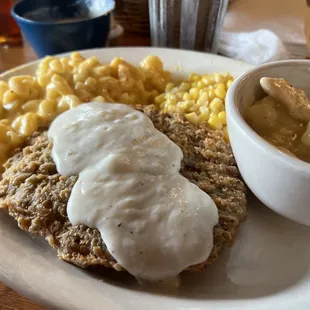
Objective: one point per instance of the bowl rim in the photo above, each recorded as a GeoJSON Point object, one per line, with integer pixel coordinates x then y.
{"type": "Point", "coordinates": [235, 116]}
{"type": "Point", "coordinates": [18, 17]}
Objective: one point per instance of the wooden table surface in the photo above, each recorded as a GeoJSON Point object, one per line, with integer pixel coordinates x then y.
{"type": "Point", "coordinates": [12, 57]}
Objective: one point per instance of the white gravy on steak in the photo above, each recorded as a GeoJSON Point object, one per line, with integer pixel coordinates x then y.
{"type": "Point", "coordinates": [153, 220]}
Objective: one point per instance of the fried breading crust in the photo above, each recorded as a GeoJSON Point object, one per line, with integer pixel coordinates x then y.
{"type": "Point", "coordinates": [36, 195]}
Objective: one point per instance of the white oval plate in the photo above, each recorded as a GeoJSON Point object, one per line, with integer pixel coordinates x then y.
{"type": "Point", "coordinates": [267, 268]}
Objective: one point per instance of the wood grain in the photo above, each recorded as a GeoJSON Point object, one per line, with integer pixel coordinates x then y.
{"type": "Point", "coordinates": [10, 58]}
{"type": "Point", "coordinates": [10, 300]}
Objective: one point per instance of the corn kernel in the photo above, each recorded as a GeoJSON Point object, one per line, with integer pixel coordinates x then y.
{"type": "Point", "coordinates": [184, 86]}
{"type": "Point", "coordinates": [202, 102]}
{"type": "Point", "coordinates": [192, 118]}
{"type": "Point", "coordinates": [203, 117]}
{"type": "Point", "coordinates": [173, 90]}
{"type": "Point", "coordinates": [186, 105]}
{"type": "Point", "coordinates": [194, 92]}
{"type": "Point", "coordinates": [227, 75]}
{"type": "Point", "coordinates": [213, 114]}
{"type": "Point", "coordinates": [221, 86]}
{"type": "Point", "coordinates": [200, 85]}
{"type": "Point", "coordinates": [211, 94]}
{"type": "Point", "coordinates": [220, 91]}
{"type": "Point", "coordinates": [204, 96]}
{"type": "Point", "coordinates": [172, 101]}
{"type": "Point", "coordinates": [218, 78]}
{"type": "Point", "coordinates": [193, 108]}
{"type": "Point", "coordinates": [179, 95]}
{"type": "Point", "coordinates": [169, 86]}
{"type": "Point", "coordinates": [179, 109]}
{"type": "Point", "coordinates": [216, 105]}
{"type": "Point", "coordinates": [229, 82]}
{"type": "Point", "coordinates": [204, 110]}
{"type": "Point", "coordinates": [214, 122]}
{"type": "Point", "coordinates": [222, 117]}
{"type": "Point", "coordinates": [170, 96]}
{"type": "Point", "coordinates": [208, 80]}
{"type": "Point", "coordinates": [187, 96]}
{"type": "Point", "coordinates": [194, 77]}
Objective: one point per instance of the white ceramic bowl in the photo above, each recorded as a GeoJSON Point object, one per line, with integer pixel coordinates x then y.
{"type": "Point", "coordinates": [280, 181]}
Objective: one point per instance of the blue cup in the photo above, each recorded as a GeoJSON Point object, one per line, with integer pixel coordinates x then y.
{"type": "Point", "coordinates": [58, 26]}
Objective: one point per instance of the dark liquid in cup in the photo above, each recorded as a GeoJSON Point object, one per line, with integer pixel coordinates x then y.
{"type": "Point", "coordinates": [63, 14]}
{"type": "Point", "coordinates": [53, 15]}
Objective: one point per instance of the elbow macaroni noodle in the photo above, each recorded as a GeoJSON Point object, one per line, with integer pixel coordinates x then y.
{"type": "Point", "coordinates": [29, 102]}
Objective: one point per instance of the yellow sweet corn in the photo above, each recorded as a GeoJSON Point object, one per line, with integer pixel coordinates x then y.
{"type": "Point", "coordinates": [192, 117]}
{"type": "Point", "coordinates": [216, 105]}
{"type": "Point", "coordinates": [222, 117]}
{"type": "Point", "coordinates": [214, 122]}
{"type": "Point", "coordinates": [201, 99]}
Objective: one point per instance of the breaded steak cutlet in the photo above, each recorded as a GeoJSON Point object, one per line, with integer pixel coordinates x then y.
{"type": "Point", "coordinates": [36, 195]}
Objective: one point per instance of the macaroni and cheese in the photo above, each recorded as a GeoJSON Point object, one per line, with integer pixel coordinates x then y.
{"type": "Point", "coordinates": [29, 102]}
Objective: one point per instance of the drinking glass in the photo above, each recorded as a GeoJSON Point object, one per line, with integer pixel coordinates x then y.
{"type": "Point", "coordinates": [187, 24]}
{"type": "Point", "coordinates": [9, 31]}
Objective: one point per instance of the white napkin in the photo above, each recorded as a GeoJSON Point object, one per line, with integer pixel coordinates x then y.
{"type": "Point", "coordinates": [255, 47]}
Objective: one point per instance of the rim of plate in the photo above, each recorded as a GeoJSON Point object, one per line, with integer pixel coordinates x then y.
{"type": "Point", "coordinates": [146, 48]}
{"type": "Point", "coordinates": [122, 297]}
